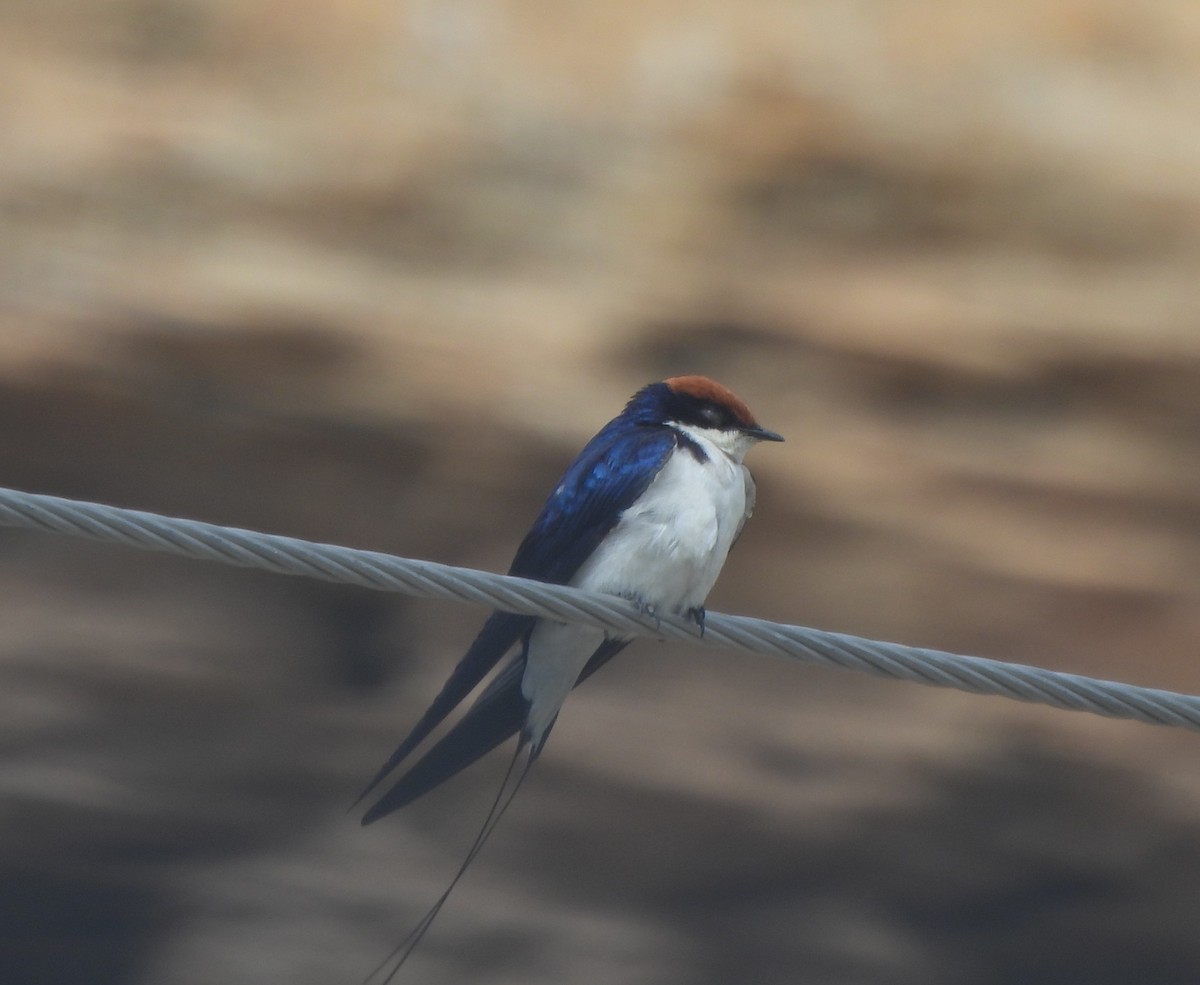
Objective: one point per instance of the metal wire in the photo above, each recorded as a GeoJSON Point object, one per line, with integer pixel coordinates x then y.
{"type": "Point", "coordinates": [287, 555]}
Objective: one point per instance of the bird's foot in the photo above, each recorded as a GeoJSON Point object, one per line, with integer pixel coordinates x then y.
{"type": "Point", "coordinates": [696, 615]}
{"type": "Point", "coordinates": [646, 609]}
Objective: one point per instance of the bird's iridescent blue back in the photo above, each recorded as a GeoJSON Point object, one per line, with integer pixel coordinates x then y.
{"type": "Point", "coordinates": [611, 472]}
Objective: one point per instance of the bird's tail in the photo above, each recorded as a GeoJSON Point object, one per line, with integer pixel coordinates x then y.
{"type": "Point", "coordinates": [514, 776]}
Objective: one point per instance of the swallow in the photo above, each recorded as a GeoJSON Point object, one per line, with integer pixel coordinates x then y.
{"type": "Point", "coordinates": [647, 511]}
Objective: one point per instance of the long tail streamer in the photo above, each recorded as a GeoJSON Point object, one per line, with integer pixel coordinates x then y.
{"type": "Point", "coordinates": [514, 776]}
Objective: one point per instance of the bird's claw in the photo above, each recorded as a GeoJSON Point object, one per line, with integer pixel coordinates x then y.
{"type": "Point", "coordinates": [695, 614]}
{"type": "Point", "coordinates": [646, 609]}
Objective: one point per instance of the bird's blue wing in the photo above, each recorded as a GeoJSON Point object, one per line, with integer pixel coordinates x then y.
{"type": "Point", "coordinates": [611, 472]}
{"type": "Point", "coordinates": [499, 633]}
{"type": "Point", "coordinates": [497, 714]}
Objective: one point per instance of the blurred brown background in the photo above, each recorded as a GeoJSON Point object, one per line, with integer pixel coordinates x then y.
{"type": "Point", "coordinates": [372, 272]}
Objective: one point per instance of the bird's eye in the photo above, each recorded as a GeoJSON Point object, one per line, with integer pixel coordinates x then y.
{"type": "Point", "coordinates": [711, 415]}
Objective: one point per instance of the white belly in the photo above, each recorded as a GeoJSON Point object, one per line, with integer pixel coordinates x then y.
{"type": "Point", "coordinates": [668, 548]}
{"type": "Point", "coordinates": [665, 552]}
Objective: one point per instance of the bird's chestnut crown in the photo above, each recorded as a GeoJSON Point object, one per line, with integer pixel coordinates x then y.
{"type": "Point", "coordinates": [700, 402]}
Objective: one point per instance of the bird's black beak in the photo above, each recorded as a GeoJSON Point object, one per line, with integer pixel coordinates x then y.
{"type": "Point", "coordinates": [761, 434]}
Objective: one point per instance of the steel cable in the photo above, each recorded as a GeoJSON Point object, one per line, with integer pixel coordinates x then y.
{"type": "Point", "coordinates": [288, 555]}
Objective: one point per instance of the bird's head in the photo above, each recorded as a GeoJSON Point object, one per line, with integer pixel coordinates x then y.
{"type": "Point", "coordinates": [702, 408]}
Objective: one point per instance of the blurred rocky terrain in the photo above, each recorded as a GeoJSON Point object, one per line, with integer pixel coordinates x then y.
{"type": "Point", "coordinates": [371, 273]}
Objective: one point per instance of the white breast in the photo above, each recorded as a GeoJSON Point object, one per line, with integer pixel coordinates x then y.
{"type": "Point", "coordinates": [665, 551]}
{"type": "Point", "coordinates": [669, 546]}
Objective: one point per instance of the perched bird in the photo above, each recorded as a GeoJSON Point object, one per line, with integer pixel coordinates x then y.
{"type": "Point", "coordinates": [648, 511]}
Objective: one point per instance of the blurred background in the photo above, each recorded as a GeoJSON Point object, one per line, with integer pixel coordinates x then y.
{"type": "Point", "coordinates": [371, 272]}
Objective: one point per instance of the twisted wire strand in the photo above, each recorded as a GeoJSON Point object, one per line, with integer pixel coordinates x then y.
{"type": "Point", "coordinates": [371, 569]}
